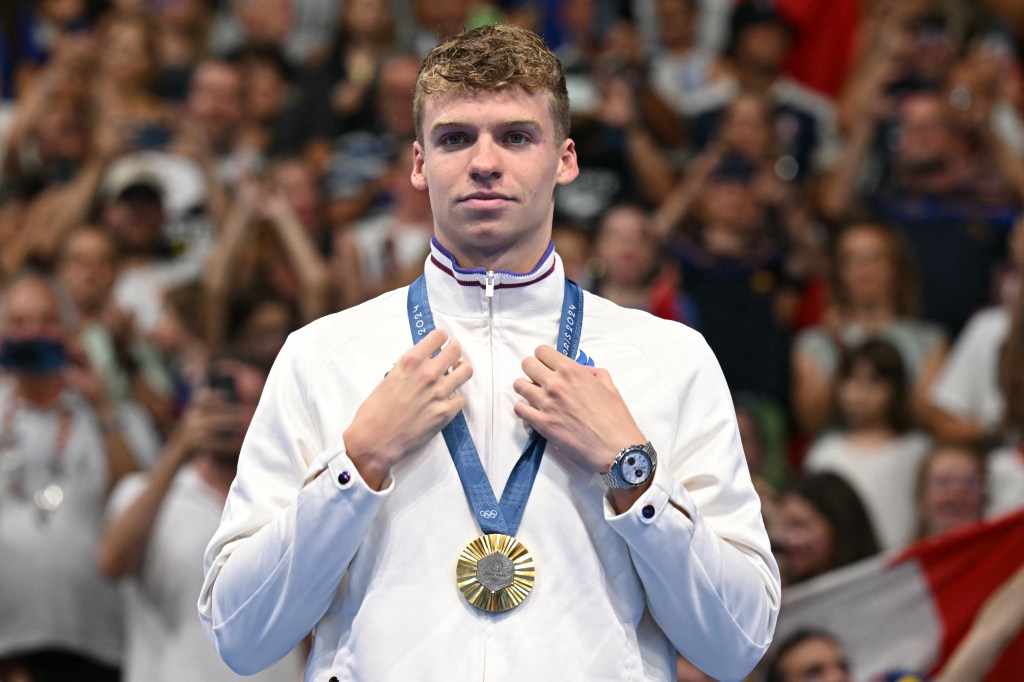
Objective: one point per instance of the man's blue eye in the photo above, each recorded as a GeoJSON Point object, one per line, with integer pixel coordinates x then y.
{"type": "Point", "coordinates": [517, 138]}
{"type": "Point", "coordinates": [453, 138]}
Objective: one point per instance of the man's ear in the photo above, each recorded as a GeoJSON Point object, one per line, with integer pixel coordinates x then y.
{"type": "Point", "coordinates": [568, 168]}
{"type": "Point", "coordinates": [419, 179]}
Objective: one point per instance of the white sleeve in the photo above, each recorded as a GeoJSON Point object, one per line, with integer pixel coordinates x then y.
{"type": "Point", "coordinates": [295, 516]}
{"type": "Point", "coordinates": [697, 539]}
{"type": "Point", "coordinates": [968, 377]}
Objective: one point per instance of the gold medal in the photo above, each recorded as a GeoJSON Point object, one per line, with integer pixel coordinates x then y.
{"type": "Point", "coordinates": [495, 573]}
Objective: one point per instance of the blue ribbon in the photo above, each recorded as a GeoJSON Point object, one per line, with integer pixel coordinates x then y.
{"type": "Point", "coordinates": [492, 515]}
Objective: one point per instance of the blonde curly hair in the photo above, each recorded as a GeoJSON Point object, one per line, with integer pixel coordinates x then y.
{"type": "Point", "coordinates": [492, 58]}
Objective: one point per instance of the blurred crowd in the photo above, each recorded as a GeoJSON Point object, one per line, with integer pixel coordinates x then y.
{"type": "Point", "coordinates": [830, 191]}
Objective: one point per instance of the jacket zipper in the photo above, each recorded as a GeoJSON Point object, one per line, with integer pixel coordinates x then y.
{"type": "Point", "coordinates": [489, 294]}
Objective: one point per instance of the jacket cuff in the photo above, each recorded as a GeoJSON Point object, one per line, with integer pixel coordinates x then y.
{"type": "Point", "coordinates": [343, 472]}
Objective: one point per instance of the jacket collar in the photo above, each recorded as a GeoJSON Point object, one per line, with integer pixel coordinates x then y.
{"type": "Point", "coordinates": [459, 291]}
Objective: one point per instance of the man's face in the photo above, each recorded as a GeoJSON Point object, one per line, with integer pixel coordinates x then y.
{"type": "Point", "coordinates": [135, 219]}
{"type": "Point", "coordinates": [815, 660]}
{"type": "Point", "coordinates": [88, 269]}
{"type": "Point", "coordinates": [762, 48]}
{"type": "Point", "coordinates": [394, 95]}
{"type": "Point", "coordinates": [925, 138]}
{"type": "Point", "coordinates": [953, 491]}
{"type": "Point", "coordinates": [491, 164]}
{"type": "Point", "coordinates": [215, 99]}
{"type": "Point", "coordinates": [31, 311]}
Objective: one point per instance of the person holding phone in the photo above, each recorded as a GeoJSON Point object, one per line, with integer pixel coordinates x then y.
{"type": "Point", "coordinates": [64, 443]}
{"type": "Point", "coordinates": [159, 522]}
{"type": "Point", "coordinates": [490, 474]}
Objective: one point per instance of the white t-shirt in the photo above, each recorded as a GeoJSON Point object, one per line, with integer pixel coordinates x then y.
{"type": "Point", "coordinates": [885, 478]}
{"type": "Point", "coordinates": [381, 239]}
{"type": "Point", "coordinates": [968, 385]}
{"type": "Point", "coordinates": [1005, 480]}
{"type": "Point", "coordinates": [51, 593]}
{"type": "Point", "coordinates": [164, 640]}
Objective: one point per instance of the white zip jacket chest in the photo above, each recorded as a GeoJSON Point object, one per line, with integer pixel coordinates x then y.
{"type": "Point", "coordinates": [688, 567]}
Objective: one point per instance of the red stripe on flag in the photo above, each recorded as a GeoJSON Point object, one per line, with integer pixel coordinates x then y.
{"type": "Point", "coordinates": [962, 570]}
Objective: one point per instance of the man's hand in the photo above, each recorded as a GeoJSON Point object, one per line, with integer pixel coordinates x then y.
{"type": "Point", "coordinates": [409, 407]}
{"type": "Point", "coordinates": [210, 424]}
{"type": "Point", "coordinates": [577, 408]}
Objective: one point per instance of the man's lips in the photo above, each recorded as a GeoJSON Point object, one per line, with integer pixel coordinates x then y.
{"type": "Point", "coordinates": [485, 200]}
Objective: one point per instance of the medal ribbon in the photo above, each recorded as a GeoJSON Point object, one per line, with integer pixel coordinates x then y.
{"type": "Point", "coordinates": [492, 515]}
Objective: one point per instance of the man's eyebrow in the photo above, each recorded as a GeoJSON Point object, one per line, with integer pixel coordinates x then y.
{"type": "Point", "coordinates": [511, 123]}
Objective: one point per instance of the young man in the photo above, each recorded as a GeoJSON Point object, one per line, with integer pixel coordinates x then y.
{"type": "Point", "coordinates": [641, 533]}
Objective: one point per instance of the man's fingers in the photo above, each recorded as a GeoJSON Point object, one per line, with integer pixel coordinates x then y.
{"type": "Point", "coordinates": [430, 344]}
{"type": "Point", "coordinates": [460, 373]}
{"type": "Point", "coordinates": [550, 357]}
{"type": "Point", "coordinates": [531, 392]}
{"type": "Point", "coordinates": [449, 355]}
{"type": "Point", "coordinates": [536, 370]}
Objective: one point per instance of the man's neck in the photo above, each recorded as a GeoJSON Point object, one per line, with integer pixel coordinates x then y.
{"type": "Point", "coordinates": [41, 392]}
{"type": "Point", "coordinates": [506, 260]}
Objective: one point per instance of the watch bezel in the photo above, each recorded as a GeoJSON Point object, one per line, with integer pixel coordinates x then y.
{"type": "Point", "coordinates": [614, 477]}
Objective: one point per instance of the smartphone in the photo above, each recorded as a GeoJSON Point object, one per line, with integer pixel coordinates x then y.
{"type": "Point", "coordinates": [224, 384]}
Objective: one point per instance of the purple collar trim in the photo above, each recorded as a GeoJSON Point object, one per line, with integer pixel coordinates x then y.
{"type": "Point", "coordinates": [506, 279]}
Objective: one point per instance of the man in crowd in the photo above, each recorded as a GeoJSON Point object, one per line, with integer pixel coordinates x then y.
{"type": "Point", "coordinates": [159, 522]}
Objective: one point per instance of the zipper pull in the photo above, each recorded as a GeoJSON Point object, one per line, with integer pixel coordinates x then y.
{"type": "Point", "coordinates": [489, 284]}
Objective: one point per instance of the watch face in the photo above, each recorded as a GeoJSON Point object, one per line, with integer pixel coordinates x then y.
{"type": "Point", "coordinates": [635, 466]}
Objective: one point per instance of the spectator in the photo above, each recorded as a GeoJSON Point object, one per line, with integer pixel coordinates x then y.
{"type": "Point", "coordinates": [130, 368]}
{"type": "Point", "coordinates": [183, 30]}
{"type": "Point", "coordinates": [809, 656]}
{"type": "Point", "coordinates": [436, 20]}
{"type": "Point", "coordinates": [158, 525]}
{"type": "Point", "coordinates": [65, 444]}
{"type": "Point", "coordinates": [873, 295]}
{"type": "Point", "coordinates": [952, 193]}
{"type": "Point", "coordinates": [47, 135]}
{"type": "Point", "coordinates": [124, 82]}
{"type": "Point", "coordinates": [361, 156]}
{"type": "Point", "coordinates": [133, 211]}
{"type": "Point", "coordinates": [277, 216]}
{"type": "Point", "coordinates": [625, 260]}
{"type": "Point", "coordinates": [873, 447]}
{"type": "Point", "coordinates": [280, 119]}
{"type": "Point", "coordinates": [1006, 463]}
{"type": "Point", "coordinates": [951, 487]}
{"type": "Point", "coordinates": [365, 38]}
{"type": "Point", "coordinates": [679, 66]}
{"type": "Point", "coordinates": [732, 270]}
{"type": "Point", "coordinates": [966, 399]}
{"type": "Point", "coordinates": [823, 525]}
{"type": "Point", "coordinates": [391, 243]}
{"type": "Point", "coordinates": [805, 122]}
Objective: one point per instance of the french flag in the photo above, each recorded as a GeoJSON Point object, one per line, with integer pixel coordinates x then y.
{"type": "Point", "coordinates": [910, 611]}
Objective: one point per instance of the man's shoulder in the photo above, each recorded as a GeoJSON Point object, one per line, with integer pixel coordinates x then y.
{"type": "Point", "coordinates": [363, 321]}
{"type": "Point", "coordinates": [646, 331]}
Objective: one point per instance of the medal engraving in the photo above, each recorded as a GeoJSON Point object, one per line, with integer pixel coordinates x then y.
{"type": "Point", "coordinates": [495, 572]}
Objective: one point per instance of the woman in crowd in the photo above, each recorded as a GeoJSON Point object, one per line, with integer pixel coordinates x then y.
{"type": "Point", "coordinates": [873, 294]}
{"type": "Point", "coordinates": [822, 526]}
{"type": "Point", "coordinates": [950, 489]}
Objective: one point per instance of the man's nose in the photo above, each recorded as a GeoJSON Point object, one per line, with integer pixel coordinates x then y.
{"type": "Point", "coordinates": [485, 162]}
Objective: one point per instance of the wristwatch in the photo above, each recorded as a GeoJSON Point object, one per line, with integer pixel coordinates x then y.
{"type": "Point", "coordinates": [632, 467]}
